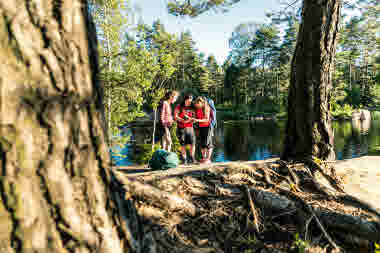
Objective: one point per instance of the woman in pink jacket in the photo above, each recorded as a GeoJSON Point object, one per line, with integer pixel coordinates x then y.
{"type": "Point", "coordinates": [166, 119]}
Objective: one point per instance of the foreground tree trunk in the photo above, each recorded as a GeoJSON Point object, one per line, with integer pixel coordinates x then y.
{"type": "Point", "coordinates": [55, 182]}
{"type": "Point", "coordinates": [309, 132]}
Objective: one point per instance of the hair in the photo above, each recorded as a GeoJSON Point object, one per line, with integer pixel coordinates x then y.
{"type": "Point", "coordinates": [202, 100]}
{"type": "Point", "coordinates": [186, 97]}
{"type": "Point", "coordinates": [170, 94]}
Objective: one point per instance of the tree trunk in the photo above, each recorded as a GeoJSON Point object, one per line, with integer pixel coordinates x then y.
{"type": "Point", "coordinates": [309, 131]}
{"type": "Point", "coordinates": [277, 89]}
{"type": "Point", "coordinates": [154, 127]}
{"type": "Point", "coordinates": [350, 73]}
{"type": "Point", "coordinates": [109, 84]}
{"type": "Point", "coordinates": [55, 183]}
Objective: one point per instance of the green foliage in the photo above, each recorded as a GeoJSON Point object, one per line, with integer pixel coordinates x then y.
{"type": "Point", "coordinates": [140, 62]}
{"type": "Point", "coordinates": [189, 90]}
{"type": "Point", "coordinates": [259, 61]}
{"type": "Point", "coordinates": [119, 141]}
{"type": "Point", "coordinates": [176, 147]}
{"type": "Point", "coordinates": [342, 111]}
{"type": "Point", "coordinates": [186, 8]}
{"type": "Point", "coordinates": [143, 153]}
{"type": "Point", "coordinates": [250, 239]}
{"type": "Point", "coordinates": [353, 96]}
{"type": "Point", "coordinates": [375, 115]}
{"type": "Point", "coordinates": [139, 73]}
{"type": "Point", "coordinates": [281, 115]}
{"type": "Point", "coordinates": [259, 65]}
{"type": "Point", "coordinates": [377, 248]}
{"type": "Point", "coordinates": [300, 244]}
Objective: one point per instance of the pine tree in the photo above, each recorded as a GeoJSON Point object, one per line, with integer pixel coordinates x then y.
{"type": "Point", "coordinates": [56, 186]}
{"type": "Point", "coordinates": [309, 132]}
{"type": "Point", "coordinates": [289, 43]}
{"type": "Point", "coordinates": [204, 81]}
{"type": "Point", "coordinates": [111, 22]}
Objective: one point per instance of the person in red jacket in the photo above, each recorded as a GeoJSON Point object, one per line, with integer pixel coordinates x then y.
{"type": "Point", "coordinates": [203, 117]}
{"type": "Point", "coordinates": [184, 115]}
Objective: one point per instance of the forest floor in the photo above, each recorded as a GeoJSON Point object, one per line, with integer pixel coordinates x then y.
{"type": "Point", "coordinates": [258, 206]}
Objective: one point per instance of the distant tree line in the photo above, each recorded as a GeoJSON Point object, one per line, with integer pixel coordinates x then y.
{"type": "Point", "coordinates": [140, 61]}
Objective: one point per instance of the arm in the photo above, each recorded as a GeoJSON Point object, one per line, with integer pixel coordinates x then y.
{"type": "Point", "coordinates": [207, 116]}
{"type": "Point", "coordinates": [163, 113]}
{"type": "Point", "coordinates": [176, 116]}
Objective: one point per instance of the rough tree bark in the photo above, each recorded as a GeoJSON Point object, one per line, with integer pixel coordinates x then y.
{"type": "Point", "coordinates": [55, 186]}
{"type": "Point", "coordinates": [309, 132]}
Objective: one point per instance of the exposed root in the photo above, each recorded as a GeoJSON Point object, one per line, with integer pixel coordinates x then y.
{"type": "Point", "coordinates": [234, 208]}
{"type": "Point", "coordinates": [253, 210]}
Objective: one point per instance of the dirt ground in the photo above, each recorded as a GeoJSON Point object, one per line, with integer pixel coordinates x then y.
{"type": "Point", "coordinates": [362, 175]}
{"type": "Point", "coordinates": [362, 178]}
{"type": "Point", "coordinates": [256, 206]}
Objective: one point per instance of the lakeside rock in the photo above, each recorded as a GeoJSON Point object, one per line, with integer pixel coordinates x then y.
{"type": "Point", "coordinates": [361, 114]}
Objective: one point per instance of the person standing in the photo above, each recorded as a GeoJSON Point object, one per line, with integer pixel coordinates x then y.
{"type": "Point", "coordinates": [166, 119]}
{"type": "Point", "coordinates": [184, 115]}
{"type": "Point", "coordinates": [203, 117]}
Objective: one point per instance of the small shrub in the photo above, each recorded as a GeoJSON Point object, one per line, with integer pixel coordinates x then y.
{"type": "Point", "coordinates": [342, 111]}
{"type": "Point", "coordinates": [375, 115]}
{"type": "Point", "coordinates": [281, 115]}
{"type": "Point", "coordinates": [300, 244]}
{"type": "Point", "coordinates": [143, 153]}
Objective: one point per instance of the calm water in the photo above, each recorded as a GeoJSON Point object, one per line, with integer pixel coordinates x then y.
{"type": "Point", "coordinates": [257, 140]}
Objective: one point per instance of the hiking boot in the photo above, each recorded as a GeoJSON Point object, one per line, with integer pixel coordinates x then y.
{"type": "Point", "coordinates": [206, 161]}
{"type": "Point", "coordinates": [192, 161]}
{"type": "Point", "coordinates": [184, 161]}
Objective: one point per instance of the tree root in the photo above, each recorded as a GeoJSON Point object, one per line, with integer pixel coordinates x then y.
{"type": "Point", "coordinates": [253, 210]}
{"type": "Point", "coordinates": [221, 204]}
{"type": "Point", "coordinates": [316, 167]}
{"type": "Point", "coordinates": [157, 197]}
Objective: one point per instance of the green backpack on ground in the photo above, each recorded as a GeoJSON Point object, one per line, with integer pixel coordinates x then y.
{"type": "Point", "coordinates": [162, 160]}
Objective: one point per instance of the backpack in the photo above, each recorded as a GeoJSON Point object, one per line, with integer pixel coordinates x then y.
{"type": "Point", "coordinates": [162, 160]}
{"type": "Point", "coordinates": [213, 121]}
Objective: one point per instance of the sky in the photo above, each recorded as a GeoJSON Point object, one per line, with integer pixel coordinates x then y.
{"type": "Point", "coordinates": [211, 30]}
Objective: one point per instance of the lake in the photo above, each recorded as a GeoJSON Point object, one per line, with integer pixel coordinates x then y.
{"type": "Point", "coordinates": [258, 140]}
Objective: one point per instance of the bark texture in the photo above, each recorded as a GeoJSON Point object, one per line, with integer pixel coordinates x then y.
{"type": "Point", "coordinates": [309, 132]}
{"type": "Point", "coordinates": [54, 184]}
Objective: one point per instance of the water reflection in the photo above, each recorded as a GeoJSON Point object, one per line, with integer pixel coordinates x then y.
{"type": "Point", "coordinates": [249, 140]}
{"type": "Point", "coordinates": [257, 140]}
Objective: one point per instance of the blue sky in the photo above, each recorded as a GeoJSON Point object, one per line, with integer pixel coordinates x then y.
{"type": "Point", "coordinates": [211, 30]}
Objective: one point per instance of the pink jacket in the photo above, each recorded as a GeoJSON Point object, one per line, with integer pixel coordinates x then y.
{"type": "Point", "coordinates": [166, 114]}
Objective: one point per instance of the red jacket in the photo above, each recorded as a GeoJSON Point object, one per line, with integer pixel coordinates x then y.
{"type": "Point", "coordinates": [181, 112]}
{"type": "Point", "coordinates": [200, 115]}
